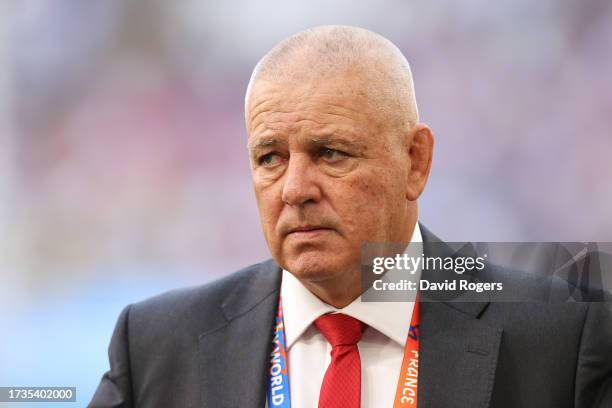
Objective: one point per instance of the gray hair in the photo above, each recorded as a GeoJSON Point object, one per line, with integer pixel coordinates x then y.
{"type": "Point", "coordinates": [325, 51]}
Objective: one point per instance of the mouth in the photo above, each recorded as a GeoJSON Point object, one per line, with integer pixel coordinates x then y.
{"type": "Point", "coordinates": [308, 232]}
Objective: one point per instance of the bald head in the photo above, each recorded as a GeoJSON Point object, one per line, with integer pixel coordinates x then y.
{"type": "Point", "coordinates": [376, 66]}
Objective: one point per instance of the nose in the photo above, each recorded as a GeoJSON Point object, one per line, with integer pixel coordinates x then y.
{"type": "Point", "coordinates": [300, 185]}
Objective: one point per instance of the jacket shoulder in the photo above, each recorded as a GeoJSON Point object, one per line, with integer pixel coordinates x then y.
{"type": "Point", "coordinates": [201, 308]}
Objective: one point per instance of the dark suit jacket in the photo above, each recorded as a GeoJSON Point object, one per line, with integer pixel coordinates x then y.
{"type": "Point", "coordinates": [208, 346]}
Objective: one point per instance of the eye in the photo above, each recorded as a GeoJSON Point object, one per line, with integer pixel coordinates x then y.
{"type": "Point", "coordinates": [268, 160]}
{"type": "Point", "coordinates": [332, 154]}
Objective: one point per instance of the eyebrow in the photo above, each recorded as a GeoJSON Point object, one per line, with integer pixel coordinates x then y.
{"type": "Point", "coordinates": [265, 142]}
{"type": "Point", "coordinates": [327, 141]}
{"type": "Point", "coordinates": [273, 141]}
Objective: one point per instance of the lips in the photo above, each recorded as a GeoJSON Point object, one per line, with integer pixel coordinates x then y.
{"type": "Point", "coordinates": [307, 228]}
{"type": "Point", "coordinates": [307, 231]}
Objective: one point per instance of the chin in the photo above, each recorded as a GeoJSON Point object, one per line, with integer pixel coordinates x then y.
{"type": "Point", "coordinates": [314, 266]}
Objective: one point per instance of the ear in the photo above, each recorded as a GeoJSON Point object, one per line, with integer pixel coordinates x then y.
{"type": "Point", "coordinates": [420, 151]}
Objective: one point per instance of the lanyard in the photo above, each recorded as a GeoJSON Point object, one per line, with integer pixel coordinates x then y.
{"type": "Point", "coordinates": [407, 385]}
{"type": "Point", "coordinates": [278, 383]}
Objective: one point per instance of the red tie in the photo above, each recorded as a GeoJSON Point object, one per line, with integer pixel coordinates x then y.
{"type": "Point", "coordinates": [341, 386]}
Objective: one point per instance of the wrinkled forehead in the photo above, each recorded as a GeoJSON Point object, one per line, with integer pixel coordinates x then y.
{"type": "Point", "coordinates": [352, 94]}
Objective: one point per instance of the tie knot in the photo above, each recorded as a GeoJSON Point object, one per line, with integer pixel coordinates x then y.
{"type": "Point", "coordinates": [340, 329]}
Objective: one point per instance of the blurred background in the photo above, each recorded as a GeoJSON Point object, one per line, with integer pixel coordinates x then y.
{"type": "Point", "coordinates": [123, 165]}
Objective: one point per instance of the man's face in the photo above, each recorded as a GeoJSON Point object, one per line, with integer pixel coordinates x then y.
{"type": "Point", "coordinates": [329, 174]}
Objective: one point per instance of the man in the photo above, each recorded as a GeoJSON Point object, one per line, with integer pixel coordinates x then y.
{"type": "Point", "coordinates": [339, 158]}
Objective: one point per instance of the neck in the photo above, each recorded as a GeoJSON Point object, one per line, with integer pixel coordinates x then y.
{"type": "Point", "coordinates": [338, 292]}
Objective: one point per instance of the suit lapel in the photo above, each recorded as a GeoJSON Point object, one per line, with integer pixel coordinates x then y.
{"type": "Point", "coordinates": [234, 357]}
{"type": "Point", "coordinates": [458, 356]}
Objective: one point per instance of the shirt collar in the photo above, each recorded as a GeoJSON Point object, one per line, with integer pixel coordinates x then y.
{"type": "Point", "coordinates": [301, 308]}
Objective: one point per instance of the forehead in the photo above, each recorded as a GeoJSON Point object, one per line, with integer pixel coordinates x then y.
{"type": "Point", "coordinates": [319, 104]}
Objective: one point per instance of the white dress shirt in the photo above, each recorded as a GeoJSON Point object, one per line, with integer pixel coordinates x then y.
{"type": "Point", "coordinates": [381, 348]}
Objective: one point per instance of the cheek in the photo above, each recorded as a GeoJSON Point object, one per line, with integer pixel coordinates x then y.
{"type": "Point", "coordinates": [361, 205]}
{"type": "Point", "coordinates": [269, 205]}
{"type": "Point", "coordinates": [368, 206]}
